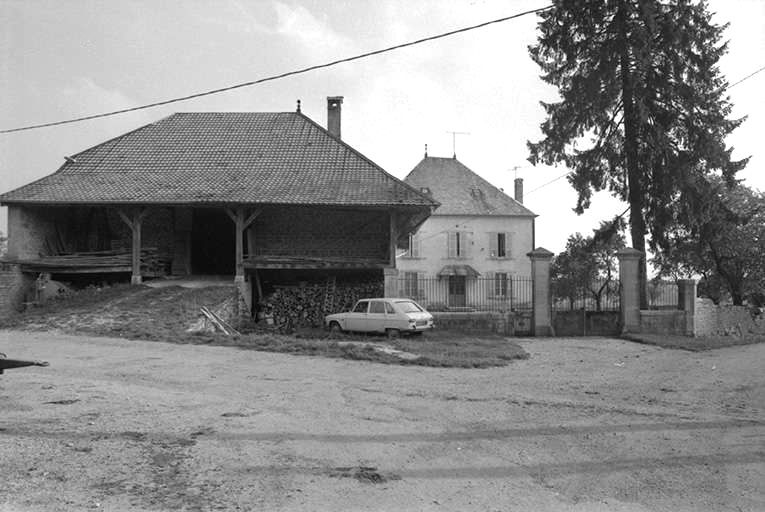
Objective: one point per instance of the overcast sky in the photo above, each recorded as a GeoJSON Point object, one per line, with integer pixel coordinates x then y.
{"type": "Point", "coordinates": [67, 59]}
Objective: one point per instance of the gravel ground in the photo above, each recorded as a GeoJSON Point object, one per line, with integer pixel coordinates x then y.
{"type": "Point", "coordinates": [585, 424]}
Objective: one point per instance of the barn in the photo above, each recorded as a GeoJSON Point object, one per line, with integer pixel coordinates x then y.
{"type": "Point", "coordinates": [264, 198]}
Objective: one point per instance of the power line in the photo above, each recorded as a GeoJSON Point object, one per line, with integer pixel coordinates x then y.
{"type": "Point", "coordinates": [747, 77]}
{"type": "Point", "coordinates": [282, 75]}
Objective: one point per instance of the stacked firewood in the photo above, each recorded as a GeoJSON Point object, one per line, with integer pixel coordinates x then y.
{"type": "Point", "coordinates": [289, 307]}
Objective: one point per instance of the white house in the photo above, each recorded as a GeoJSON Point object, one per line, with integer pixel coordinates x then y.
{"type": "Point", "coordinates": [472, 251]}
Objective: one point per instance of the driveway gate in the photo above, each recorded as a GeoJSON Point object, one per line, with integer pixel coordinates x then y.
{"type": "Point", "coordinates": [586, 309]}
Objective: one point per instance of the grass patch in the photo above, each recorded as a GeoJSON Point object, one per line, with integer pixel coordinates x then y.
{"type": "Point", "coordinates": [164, 314]}
{"type": "Point", "coordinates": [698, 344]}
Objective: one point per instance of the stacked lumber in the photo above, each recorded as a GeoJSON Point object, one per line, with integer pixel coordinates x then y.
{"type": "Point", "coordinates": [151, 261]}
{"type": "Point", "coordinates": [289, 307]}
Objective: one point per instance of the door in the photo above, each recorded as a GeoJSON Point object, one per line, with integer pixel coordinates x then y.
{"type": "Point", "coordinates": [376, 316]}
{"type": "Point", "coordinates": [457, 291]}
{"type": "Point", "coordinates": [357, 318]}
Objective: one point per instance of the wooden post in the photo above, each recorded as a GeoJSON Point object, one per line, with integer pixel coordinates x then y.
{"type": "Point", "coordinates": [241, 222]}
{"type": "Point", "coordinates": [393, 239]}
{"type": "Point", "coordinates": [134, 222]}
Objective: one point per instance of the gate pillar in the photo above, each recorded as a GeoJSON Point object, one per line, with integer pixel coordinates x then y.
{"type": "Point", "coordinates": [390, 283]}
{"type": "Point", "coordinates": [629, 276]}
{"type": "Point", "coordinates": [541, 324]}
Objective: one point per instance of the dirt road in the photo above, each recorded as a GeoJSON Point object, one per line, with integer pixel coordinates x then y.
{"type": "Point", "coordinates": [583, 425]}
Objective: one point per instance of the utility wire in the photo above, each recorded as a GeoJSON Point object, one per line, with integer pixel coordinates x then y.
{"type": "Point", "coordinates": [747, 77]}
{"type": "Point", "coordinates": [282, 75]}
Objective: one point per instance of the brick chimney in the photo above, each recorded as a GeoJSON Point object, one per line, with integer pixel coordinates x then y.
{"type": "Point", "coordinates": [519, 190]}
{"type": "Point", "coordinates": [334, 109]}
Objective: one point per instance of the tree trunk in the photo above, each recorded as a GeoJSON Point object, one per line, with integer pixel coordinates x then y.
{"type": "Point", "coordinates": [634, 182]}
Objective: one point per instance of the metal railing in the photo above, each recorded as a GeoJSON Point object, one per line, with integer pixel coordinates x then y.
{"type": "Point", "coordinates": [596, 295]}
{"type": "Point", "coordinates": [497, 293]}
{"type": "Point", "coordinates": [662, 294]}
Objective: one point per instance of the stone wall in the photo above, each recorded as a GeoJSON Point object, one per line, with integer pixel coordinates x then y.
{"type": "Point", "coordinates": [663, 322]}
{"type": "Point", "coordinates": [726, 320]}
{"type": "Point", "coordinates": [508, 324]}
{"type": "Point", "coordinates": [15, 287]}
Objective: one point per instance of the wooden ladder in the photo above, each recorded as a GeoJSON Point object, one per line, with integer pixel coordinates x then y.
{"type": "Point", "coordinates": [329, 294]}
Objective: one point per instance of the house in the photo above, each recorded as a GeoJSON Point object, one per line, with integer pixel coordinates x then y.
{"type": "Point", "coordinates": [472, 251]}
{"type": "Point", "coordinates": [256, 196]}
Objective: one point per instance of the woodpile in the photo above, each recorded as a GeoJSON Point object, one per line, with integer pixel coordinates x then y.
{"type": "Point", "coordinates": [306, 305]}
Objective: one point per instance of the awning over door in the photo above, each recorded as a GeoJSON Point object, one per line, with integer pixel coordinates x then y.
{"type": "Point", "coordinates": [458, 270]}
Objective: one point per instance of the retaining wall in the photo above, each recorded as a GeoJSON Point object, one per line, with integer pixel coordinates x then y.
{"type": "Point", "coordinates": [507, 324]}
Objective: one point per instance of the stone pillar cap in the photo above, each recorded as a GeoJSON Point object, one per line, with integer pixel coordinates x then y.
{"type": "Point", "coordinates": [540, 253]}
{"type": "Point", "coordinates": [628, 253]}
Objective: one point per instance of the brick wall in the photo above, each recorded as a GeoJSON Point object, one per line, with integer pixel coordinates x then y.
{"type": "Point", "coordinates": [726, 320]}
{"type": "Point", "coordinates": [324, 232]}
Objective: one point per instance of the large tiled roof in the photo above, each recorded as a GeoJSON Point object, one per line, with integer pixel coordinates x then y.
{"type": "Point", "coordinates": [239, 158]}
{"type": "Point", "coordinates": [461, 191]}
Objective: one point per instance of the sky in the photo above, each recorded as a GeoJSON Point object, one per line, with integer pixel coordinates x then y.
{"type": "Point", "coordinates": [60, 60]}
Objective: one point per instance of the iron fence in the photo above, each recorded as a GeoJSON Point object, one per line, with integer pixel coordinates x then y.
{"type": "Point", "coordinates": [500, 292]}
{"type": "Point", "coordinates": [595, 295]}
{"type": "Point", "coordinates": [662, 294]}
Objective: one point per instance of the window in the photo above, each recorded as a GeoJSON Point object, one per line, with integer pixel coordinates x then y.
{"type": "Point", "coordinates": [389, 309]}
{"type": "Point", "coordinates": [500, 284]}
{"type": "Point", "coordinates": [410, 284]}
{"type": "Point", "coordinates": [499, 245]}
{"type": "Point", "coordinates": [377, 307]}
{"type": "Point", "coordinates": [361, 306]}
{"type": "Point", "coordinates": [457, 244]}
{"type": "Point", "coordinates": [413, 247]}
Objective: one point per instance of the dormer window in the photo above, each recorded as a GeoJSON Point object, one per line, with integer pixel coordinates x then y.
{"type": "Point", "coordinates": [425, 190]}
{"type": "Point", "coordinates": [476, 193]}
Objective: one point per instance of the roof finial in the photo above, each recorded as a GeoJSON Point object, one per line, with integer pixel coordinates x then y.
{"type": "Point", "coordinates": [426, 151]}
{"type": "Point", "coordinates": [298, 106]}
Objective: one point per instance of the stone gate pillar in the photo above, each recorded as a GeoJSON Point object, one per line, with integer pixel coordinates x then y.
{"type": "Point", "coordinates": [686, 301]}
{"type": "Point", "coordinates": [541, 322]}
{"type": "Point", "coordinates": [629, 277]}
{"type": "Point", "coordinates": [390, 276]}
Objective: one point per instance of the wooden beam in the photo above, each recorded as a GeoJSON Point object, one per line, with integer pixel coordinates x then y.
{"type": "Point", "coordinates": [253, 215]}
{"type": "Point", "coordinates": [393, 239]}
{"type": "Point", "coordinates": [239, 254]}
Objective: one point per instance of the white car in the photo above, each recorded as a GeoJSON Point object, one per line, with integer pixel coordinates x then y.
{"type": "Point", "coordinates": [389, 316]}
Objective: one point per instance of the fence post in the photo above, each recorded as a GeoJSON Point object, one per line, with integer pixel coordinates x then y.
{"type": "Point", "coordinates": [390, 283]}
{"type": "Point", "coordinates": [541, 324]}
{"type": "Point", "coordinates": [629, 276]}
{"type": "Point", "coordinates": [686, 301]}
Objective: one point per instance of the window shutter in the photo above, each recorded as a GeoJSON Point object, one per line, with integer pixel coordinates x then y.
{"type": "Point", "coordinates": [490, 284]}
{"type": "Point", "coordinates": [467, 243]}
{"type": "Point", "coordinates": [451, 244]}
{"type": "Point", "coordinates": [414, 246]}
{"type": "Point", "coordinates": [493, 245]}
{"type": "Point", "coordinates": [509, 243]}
{"type": "Point", "coordinates": [421, 285]}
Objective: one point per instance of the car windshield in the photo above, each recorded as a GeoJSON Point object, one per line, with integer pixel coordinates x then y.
{"type": "Point", "coordinates": [407, 306]}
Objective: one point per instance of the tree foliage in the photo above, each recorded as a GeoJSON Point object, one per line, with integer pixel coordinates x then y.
{"type": "Point", "coordinates": [643, 111]}
{"type": "Point", "coordinates": [722, 240]}
{"type": "Point", "coordinates": [588, 266]}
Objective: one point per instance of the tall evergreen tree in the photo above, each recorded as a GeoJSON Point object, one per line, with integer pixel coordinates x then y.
{"type": "Point", "coordinates": [643, 111]}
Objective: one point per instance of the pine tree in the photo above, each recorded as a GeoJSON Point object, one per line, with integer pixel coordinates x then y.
{"type": "Point", "coordinates": [639, 80]}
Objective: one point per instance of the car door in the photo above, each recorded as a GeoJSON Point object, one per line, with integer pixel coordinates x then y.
{"type": "Point", "coordinates": [376, 316]}
{"type": "Point", "coordinates": [358, 317]}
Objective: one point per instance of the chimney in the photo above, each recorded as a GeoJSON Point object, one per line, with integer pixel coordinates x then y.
{"type": "Point", "coordinates": [334, 109]}
{"type": "Point", "coordinates": [519, 190]}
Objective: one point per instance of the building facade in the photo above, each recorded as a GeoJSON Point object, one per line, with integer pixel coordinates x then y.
{"type": "Point", "coordinates": [471, 253]}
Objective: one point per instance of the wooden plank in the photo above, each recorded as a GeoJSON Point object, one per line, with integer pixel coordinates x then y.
{"type": "Point", "coordinates": [393, 239]}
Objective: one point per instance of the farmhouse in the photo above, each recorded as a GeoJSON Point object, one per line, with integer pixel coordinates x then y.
{"type": "Point", "coordinates": [472, 251]}
{"type": "Point", "coordinates": [261, 197]}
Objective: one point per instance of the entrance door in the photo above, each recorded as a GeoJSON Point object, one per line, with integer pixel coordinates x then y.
{"type": "Point", "coordinates": [457, 291]}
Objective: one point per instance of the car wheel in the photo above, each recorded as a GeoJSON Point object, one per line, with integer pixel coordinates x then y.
{"type": "Point", "coordinates": [335, 328]}
{"type": "Point", "coordinates": [392, 333]}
